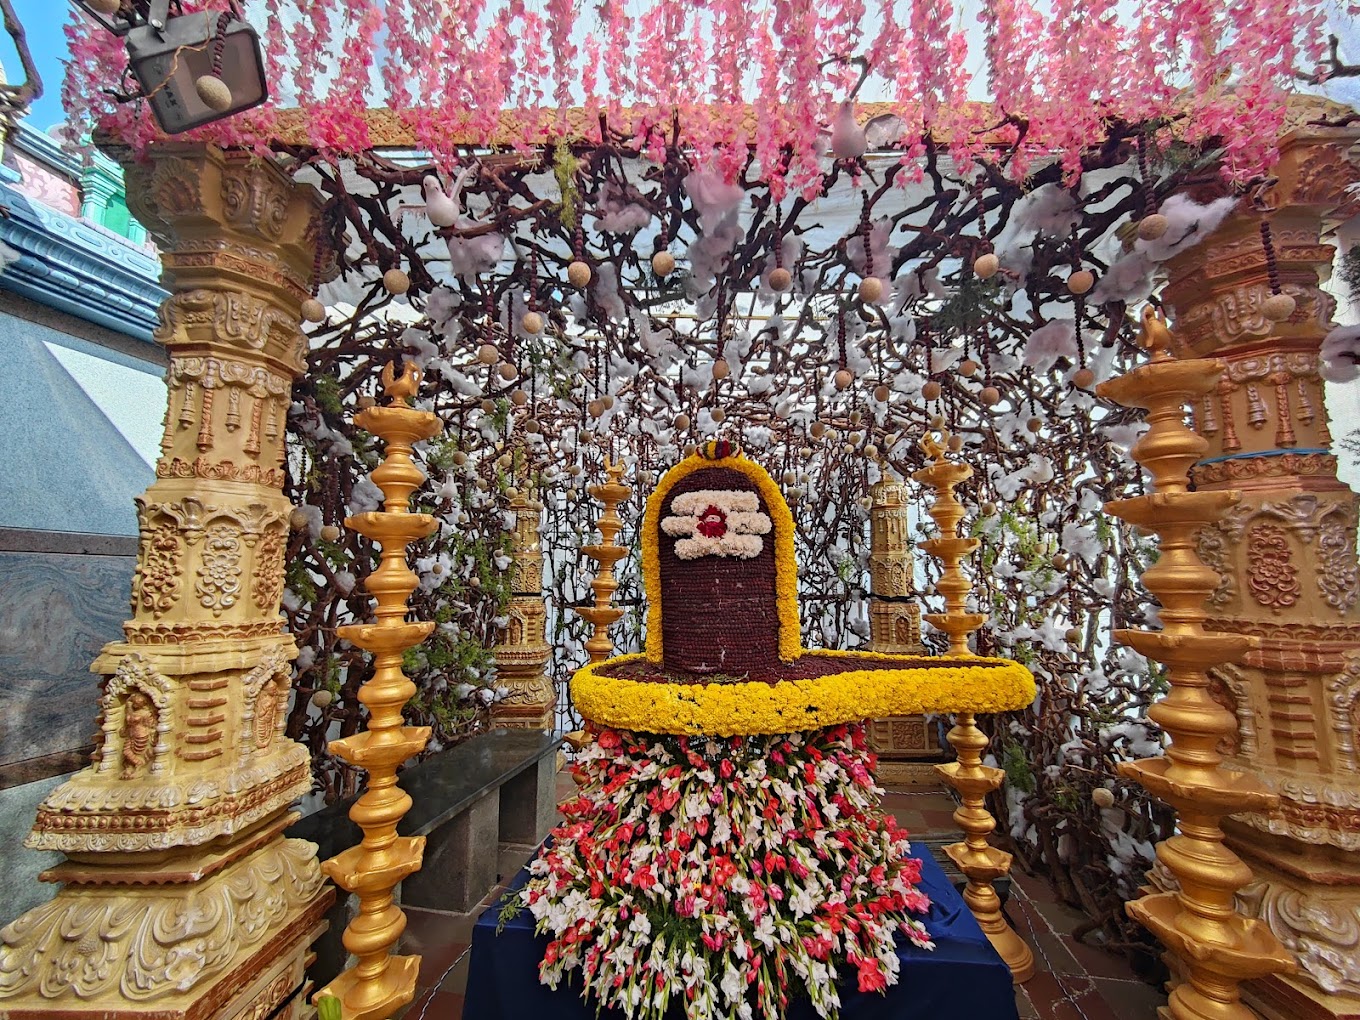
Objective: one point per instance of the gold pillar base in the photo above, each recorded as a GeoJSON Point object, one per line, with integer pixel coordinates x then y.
{"type": "Point", "coordinates": [229, 944]}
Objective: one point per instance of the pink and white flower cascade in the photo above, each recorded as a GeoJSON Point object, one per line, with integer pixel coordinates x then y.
{"type": "Point", "coordinates": [1219, 68]}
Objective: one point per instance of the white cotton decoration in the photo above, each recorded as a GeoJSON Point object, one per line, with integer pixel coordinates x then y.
{"type": "Point", "coordinates": [1048, 343]}
{"type": "Point", "coordinates": [1188, 223]}
{"type": "Point", "coordinates": [1340, 351]}
{"type": "Point", "coordinates": [1081, 540]}
{"type": "Point", "coordinates": [1128, 279]}
{"type": "Point", "coordinates": [343, 581]}
{"type": "Point", "coordinates": [1049, 210]}
{"type": "Point", "coordinates": [619, 211]}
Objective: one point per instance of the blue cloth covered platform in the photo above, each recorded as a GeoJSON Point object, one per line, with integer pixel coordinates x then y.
{"type": "Point", "coordinates": [963, 978]}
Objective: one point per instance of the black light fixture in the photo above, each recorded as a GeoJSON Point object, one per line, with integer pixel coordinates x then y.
{"type": "Point", "coordinates": [192, 68]}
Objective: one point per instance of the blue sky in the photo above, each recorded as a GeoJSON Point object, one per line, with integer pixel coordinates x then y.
{"type": "Point", "coordinates": [42, 21]}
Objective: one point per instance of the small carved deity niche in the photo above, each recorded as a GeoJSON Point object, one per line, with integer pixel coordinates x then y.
{"type": "Point", "coordinates": [268, 703]}
{"type": "Point", "coordinates": [514, 631]}
{"type": "Point", "coordinates": [139, 732]}
{"type": "Point", "coordinates": [134, 720]}
{"type": "Point", "coordinates": [266, 699]}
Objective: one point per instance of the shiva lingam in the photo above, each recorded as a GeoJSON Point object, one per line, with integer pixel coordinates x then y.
{"type": "Point", "coordinates": [1218, 948]}
{"type": "Point", "coordinates": [981, 863]}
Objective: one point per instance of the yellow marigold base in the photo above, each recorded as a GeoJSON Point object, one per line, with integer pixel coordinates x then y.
{"type": "Point", "coordinates": [744, 708]}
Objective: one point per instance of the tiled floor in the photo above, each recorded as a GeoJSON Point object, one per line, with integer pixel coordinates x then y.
{"type": "Point", "coordinates": [1073, 981]}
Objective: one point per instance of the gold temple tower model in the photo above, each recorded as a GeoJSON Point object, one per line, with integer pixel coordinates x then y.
{"type": "Point", "coordinates": [522, 651]}
{"type": "Point", "coordinates": [895, 629]}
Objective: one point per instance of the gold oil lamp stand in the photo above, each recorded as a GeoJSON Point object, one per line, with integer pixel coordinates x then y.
{"type": "Point", "coordinates": [1218, 948]}
{"type": "Point", "coordinates": [607, 554]}
{"type": "Point", "coordinates": [980, 862]}
{"type": "Point", "coordinates": [380, 983]}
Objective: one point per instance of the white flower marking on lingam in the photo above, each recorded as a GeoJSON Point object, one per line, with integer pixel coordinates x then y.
{"type": "Point", "coordinates": [717, 522]}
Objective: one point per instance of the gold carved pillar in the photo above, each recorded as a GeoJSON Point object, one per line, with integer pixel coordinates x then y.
{"type": "Point", "coordinates": [1287, 555]}
{"type": "Point", "coordinates": [895, 629]}
{"type": "Point", "coordinates": [522, 651]}
{"type": "Point", "coordinates": [180, 897]}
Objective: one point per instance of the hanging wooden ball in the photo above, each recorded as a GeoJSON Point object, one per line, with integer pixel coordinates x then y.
{"type": "Point", "coordinates": [937, 421]}
{"type": "Point", "coordinates": [578, 274]}
{"type": "Point", "coordinates": [507, 371]}
{"type": "Point", "coordinates": [1073, 636]}
{"type": "Point", "coordinates": [1102, 797]}
{"type": "Point", "coordinates": [849, 449]}
{"type": "Point", "coordinates": [789, 477]}
{"type": "Point", "coordinates": [718, 415]}
{"type": "Point", "coordinates": [214, 92]}
{"type": "Point", "coordinates": [681, 422]}
{"type": "Point", "coordinates": [511, 492]}
{"type": "Point", "coordinates": [1278, 307]}
{"type": "Point", "coordinates": [871, 451]}
{"type": "Point", "coordinates": [817, 430]}
{"type": "Point", "coordinates": [990, 396]}
{"type": "Point", "coordinates": [805, 452]}
{"type": "Point", "coordinates": [608, 401]}
{"type": "Point", "coordinates": [1081, 281]}
{"type": "Point", "coordinates": [985, 266]}
{"type": "Point", "coordinates": [1082, 378]}
{"type": "Point", "coordinates": [532, 426]}
{"type": "Point", "coordinates": [1152, 226]}
{"type": "Point", "coordinates": [988, 508]}
{"type": "Point", "coordinates": [488, 406]}
{"type": "Point", "coordinates": [853, 438]}
{"type": "Point", "coordinates": [487, 354]}
{"type": "Point", "coordinates": [396, 282]}
{"type": "Point", "coordinates": [313, 310]}
{"type": "Point", "coordinates": [803, 477]}
{"type": "Point", "coordinates": [856, 417]}
{"type": "Point", "coordinates": [689, 449]}
{"type": "Point", "coordinates": [459, 458]}
{"type": "Point", "coordinates": [595, 408]}
{"type": "Point", "coordinates": [365, 402]}
{"type": "Point", "coordinates": [322, 698]}
{"type": "Point", "coordinates": [968, 368]}
{"type": "Point", "coordinates": [871, 290]}
{"type": "Point", "coordinates": [297, 520]}
{"type": "Point", "coordinates": [844, 377]}
{"type": "Point", "coordinates": [1034, 424]}
{"type": "Point", "coordinates": [531, 323]}
{"type": "Point", "coordinates": [330, 533]}
{"type": "Point", "coordinates": [882, 393]}
{"type": "Point", "coordinates": [932, 390]}
{"type": "Point", "coordinates": [780, 279]}
{"type": "Point", "coordinates": [519, 398]}
{"type": "Point", "coordinates": [1060, 561]}
{"type": "Point", "coordinates": [663, 263]}
{"type": "Point", "coordinates": [108, 8]}
{"type": "Point", "coordinates": [955, 444]}
{"type": "Point", "coordinates": [721, 370]}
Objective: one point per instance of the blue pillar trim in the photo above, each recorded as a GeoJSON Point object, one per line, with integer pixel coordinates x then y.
{"type": "Point", "coordinates": [88, 273]}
